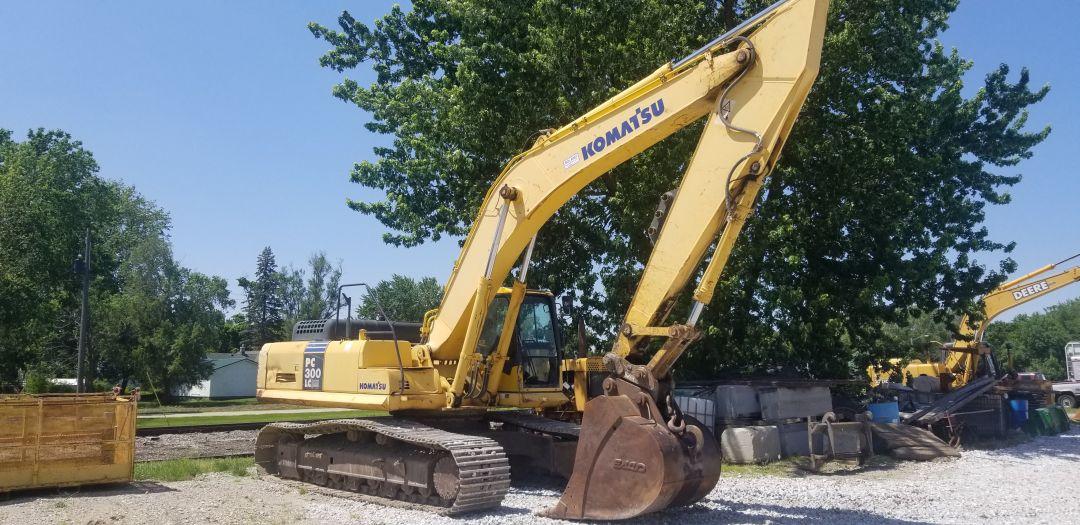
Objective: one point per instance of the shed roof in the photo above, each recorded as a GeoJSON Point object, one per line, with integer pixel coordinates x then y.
{"type": "Point", "coordinates": [221, 360]}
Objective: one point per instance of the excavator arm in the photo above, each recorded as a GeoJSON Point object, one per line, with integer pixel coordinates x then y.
{"type": "Point", "coordinates": [636, 425]}
{"type": "Point", "coordinates": [636, 453]}
{"type": "Point", "coordinates": [963, 357]}
{"type": "Point", "coordinates": [751, 82]}
{"type": "Point", "coordinates": [739, 148]}
{"type": "Point", "coordinates": [538, 182]}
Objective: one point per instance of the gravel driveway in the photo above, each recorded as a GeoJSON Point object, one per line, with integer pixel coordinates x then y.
{"type": "Point", "coordinates": [1034, 482]}
{"type": "Point", "coordinates": [194, 445]}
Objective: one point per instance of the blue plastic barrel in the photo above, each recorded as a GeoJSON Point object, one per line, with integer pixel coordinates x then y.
{"type": "Point", "coordinates": [887, 412]}
{"type": "Point", "coordinates": [1018, 412]}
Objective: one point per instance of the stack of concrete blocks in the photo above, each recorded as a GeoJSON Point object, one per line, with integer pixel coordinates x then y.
{"type": "Point", "coordinates": [758, 424]}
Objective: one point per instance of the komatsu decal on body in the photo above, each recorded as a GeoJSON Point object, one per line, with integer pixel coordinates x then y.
{"type": "Point", "coordinates": [641, 117]}
{"type": "Point", "coordinates": [313, 365]}
{"type": "Point", "coordinates": [373, 385]}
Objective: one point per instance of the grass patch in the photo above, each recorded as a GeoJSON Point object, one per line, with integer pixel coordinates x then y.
{"type": "Point", "coordinates": [159, 422]}
{"type": "Point", "coordinates": [785, 468]}
{"type": "Point", "coordinates": [184, 469]}
{"type": "Point", "coordinates": [187, 409]}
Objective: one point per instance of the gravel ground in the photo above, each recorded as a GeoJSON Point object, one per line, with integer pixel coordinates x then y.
{"type": "Point", "coordinates": [194, 445]}
{"type": "Point", "coordinates": [1029, 483]}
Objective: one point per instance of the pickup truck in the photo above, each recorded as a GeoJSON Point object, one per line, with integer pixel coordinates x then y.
{"type": "Point", "coordinates": [1068, 392]}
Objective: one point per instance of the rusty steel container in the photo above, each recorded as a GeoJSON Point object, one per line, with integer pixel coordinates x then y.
{"type": "Point", "coordinates": [61, 440]}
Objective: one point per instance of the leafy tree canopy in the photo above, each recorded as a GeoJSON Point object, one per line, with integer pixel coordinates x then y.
{"type": "Point", "coordinates": [310, 293]}
{"type": "Point", "coordinates": [1036, 342]}
{"type": "Point", "coordinates": [876, 210]}
{"type": "Point", "coordinates": [151, 319]}
{"type": "Point", "coordinates": [402, 298]}
{"type": "Point", "coordinates": [263, 303]}
{"type": "Point", "coordinates": [158, 329]}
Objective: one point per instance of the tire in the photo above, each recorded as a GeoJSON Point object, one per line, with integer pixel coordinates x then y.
{"type": "Point", "coordinates": [1066, 400]}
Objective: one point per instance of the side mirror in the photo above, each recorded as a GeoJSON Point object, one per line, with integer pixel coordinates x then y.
{"type": "Point", "coordinates": [567, 303]}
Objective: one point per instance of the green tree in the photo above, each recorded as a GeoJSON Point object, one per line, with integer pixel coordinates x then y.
{"type": "Point", "coordinates": [158, 328]}
{"type": "Point", "coordinates": [50, 194]}
{"type": "Point", "coordinates": [917, 336]}
{"type": "Point", "coordinates": [877, 207]}
{"type": "Point", "coordinates": [263, 304]}
{"type": "Point", "coordinates": [150, 318]}
{"type": "Point", "coordinates": [402, 298]}
{"type": "Point", "coordinates": [232, 336]}
{"type": "Point", "coordinates": [309, 293]}
{"type": "Point", "coordinates": [320, 294]}
{"type": "Point", "coordinates": [1036, 342]}
{"type": "Point", "coordinates": [291, 284]}
{"type": "Point", "coordinates": [48, 190]}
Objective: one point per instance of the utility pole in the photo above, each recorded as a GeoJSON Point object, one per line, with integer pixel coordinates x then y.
{"type": "Point", "coordinates": [83, 267]}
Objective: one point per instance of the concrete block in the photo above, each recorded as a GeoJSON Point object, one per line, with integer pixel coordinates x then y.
{"type": "Point", "coordinates": [737, 402]}
{"type": "Point", "coordinates": [926, 384]}
{"type": "Point", "coordinates": [786, 403]}
{"type": "Point", "coordinates": [793, 440]}
{"type": "Point", "coordinates": [750, 444]}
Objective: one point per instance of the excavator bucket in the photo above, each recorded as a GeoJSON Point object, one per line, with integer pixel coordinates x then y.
{"type": "Point", "coordinates": [629, 462]}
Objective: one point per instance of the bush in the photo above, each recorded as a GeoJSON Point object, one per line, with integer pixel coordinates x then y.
{"type": "Point", "coordinates": [37, 381]}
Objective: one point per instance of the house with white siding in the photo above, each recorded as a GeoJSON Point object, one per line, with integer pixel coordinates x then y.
{"type": "Point", "coordinates": [233, 376]}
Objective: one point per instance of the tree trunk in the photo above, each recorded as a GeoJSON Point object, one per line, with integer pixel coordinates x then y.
{"type": "Point", "coordinates": [727, 13]}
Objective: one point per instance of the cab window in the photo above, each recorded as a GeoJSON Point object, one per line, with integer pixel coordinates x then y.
{"type": "Point", "coordinates": [539, 355]}
{"type": "Point", "coordinates": [493, 324]}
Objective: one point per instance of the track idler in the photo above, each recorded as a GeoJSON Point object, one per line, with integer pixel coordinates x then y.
{"type": "Point", "coordinates": [634, 458]}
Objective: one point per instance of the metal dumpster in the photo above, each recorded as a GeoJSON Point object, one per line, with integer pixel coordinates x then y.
{"type": "Point", "coordinates": [58, 440]}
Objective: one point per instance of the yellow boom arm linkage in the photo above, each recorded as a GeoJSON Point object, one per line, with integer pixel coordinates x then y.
{"type": "Point", "coordinates": [739, 147]}
{"type": "Point", "coordinates": [964, 354]}
{"type": "Point", "coordinates": [752, 95]}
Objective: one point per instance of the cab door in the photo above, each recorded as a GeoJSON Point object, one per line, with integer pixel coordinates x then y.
{"type": "Point", "coordinates": [536, 348]}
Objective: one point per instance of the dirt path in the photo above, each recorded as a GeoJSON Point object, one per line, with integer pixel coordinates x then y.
{"type": "Point", "coordinates": [194, 445]}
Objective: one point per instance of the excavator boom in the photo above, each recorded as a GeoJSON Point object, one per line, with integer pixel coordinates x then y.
{"type": "Point", "coordinates": [739, 147]}
{"type": "Point", "coordinates": [487, 345]}
{"type": "Point", "coordinates": [961, 364]}
{"type": "Point", "coordinates": [636, 452]}
{"type": "Point", "coordinates": [962, 360]}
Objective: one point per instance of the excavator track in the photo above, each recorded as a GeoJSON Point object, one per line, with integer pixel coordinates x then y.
{"type": "Point", "coordinates": [389, 458]}
{"type": "Point", "coordinates": [535, 423]}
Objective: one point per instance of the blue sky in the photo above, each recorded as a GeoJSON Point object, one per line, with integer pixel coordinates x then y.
{"type": "Point", "coordinates": [219, 112]}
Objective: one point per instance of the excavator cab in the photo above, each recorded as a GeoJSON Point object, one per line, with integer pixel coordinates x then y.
{"type": "Point", "coordinates": [533, 355]}
{"type": "Point", "coordinates": [535, 348]}
{"type": "Point", "coordinates": [537, 351]}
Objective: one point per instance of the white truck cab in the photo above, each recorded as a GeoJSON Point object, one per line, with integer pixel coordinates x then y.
{"type": "Point", "coordinates": [1068, 392]}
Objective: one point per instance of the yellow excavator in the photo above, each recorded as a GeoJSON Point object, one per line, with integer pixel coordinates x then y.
{"type": "Point", "coordinates": [449, 383]}
{"type": "Point", "coordinates": [969, 357]}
